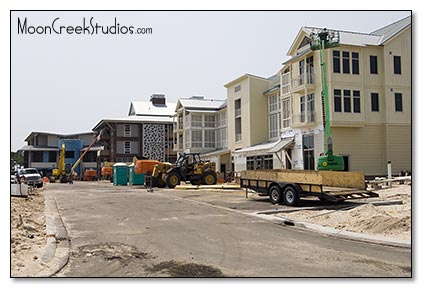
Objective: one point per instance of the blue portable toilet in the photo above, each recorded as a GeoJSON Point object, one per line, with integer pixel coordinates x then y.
{"type": "Point", "coordinates": [120, 174]}
{"type": "Point", "coordinates": [135, 179]}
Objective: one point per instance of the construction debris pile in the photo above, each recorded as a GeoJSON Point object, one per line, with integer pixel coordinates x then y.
{"type": "Point", "coordinates": [28, 233]}
{"type": "Point", "coordinates": [388, 216]}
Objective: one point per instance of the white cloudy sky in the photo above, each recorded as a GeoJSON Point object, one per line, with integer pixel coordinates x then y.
{"type": "Point", "coordinates": [68, 83]}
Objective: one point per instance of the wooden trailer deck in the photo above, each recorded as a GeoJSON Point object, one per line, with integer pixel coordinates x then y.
{"type": "Point", "coordinates": [333, 186]}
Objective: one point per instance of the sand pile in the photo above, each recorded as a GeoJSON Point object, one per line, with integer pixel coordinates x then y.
{"type": "Point", "coordinates": [387, 220]}
{"type": "Point", "coordinates": [28, 236]}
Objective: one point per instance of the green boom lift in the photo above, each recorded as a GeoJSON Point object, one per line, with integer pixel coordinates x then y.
{"type": "Point", "coordinates": [320, 41]}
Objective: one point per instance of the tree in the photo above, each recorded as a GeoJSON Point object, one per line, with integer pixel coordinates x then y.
{"type": "Point", "coordinates": [16, 158]}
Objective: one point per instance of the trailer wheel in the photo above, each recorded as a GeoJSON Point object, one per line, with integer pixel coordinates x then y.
{"type": "Point", "coordinates": [275, 194]}
{"type": "Point", "coordinates": [290, 196]}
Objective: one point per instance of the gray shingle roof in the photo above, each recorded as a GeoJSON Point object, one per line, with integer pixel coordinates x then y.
{"type": "Point", "coordinates": [387, 32]}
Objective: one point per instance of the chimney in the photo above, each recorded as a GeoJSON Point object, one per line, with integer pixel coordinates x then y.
{"type": "Point", "coordinates": [197, 97]}
{"type": "Point", "coordinates": [158, 99]}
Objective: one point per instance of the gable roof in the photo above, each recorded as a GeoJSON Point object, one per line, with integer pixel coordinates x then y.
{"type": "Point", "coordinates": [201, 103]}
{"type": "Point", "coordinates": [134, 119]}
{"type": "Point", "coordinates": [389, 31]}
{"type": "Point", "coordinates": [375, 38]}
{"type": "Point", "coordinates": [70, 135]}
{"type": "Point", "coordinates": [147, 108]}
{"type": "Point", "coordinates": [244, 76]}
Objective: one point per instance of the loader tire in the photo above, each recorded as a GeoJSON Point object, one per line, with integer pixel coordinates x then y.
{"type": "Point", "coordinates": [172, 179]}
{"type": "Point", "coordinates": [160, 181]}
{"type": "Point", "coordinates": [209, 178]}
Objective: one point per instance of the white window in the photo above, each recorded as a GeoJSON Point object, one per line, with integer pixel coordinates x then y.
{"type": "Point", "coordinates": [197, 139]}
{"type": "Point", "coordinates": [209, 121]}
{"type": "Point", "coordinates": [223, 119]}
{"type": "Point", "coordinates": [209, 138]}
{"type": "Point", "coordinates": [196, 120]}
{"type": "Point", "coordinates": [285, 83]}
{"type": "Point", "coordinates": [273, 122]}
{"type": "Point", "coordinates": [223, 133]}
{"type": "Point", "coordinates": [127, 130]}
{"type": "Point", "coordinates": [237, 108]}
{"type": "Point", "coordinates": [188, 141]}
{"type": "Point", "coordinates": [310, 103]}
{"type": "Point", "coordinates": [221, 138]}
{"type": "Point", "coordinates": [127, 147]}
{"type": "Point", "coordinates": [273, 103]}
{"type": "Point", "coordinates": [286, 113]}
{"type": "Point", "coordinates": [237, 88]}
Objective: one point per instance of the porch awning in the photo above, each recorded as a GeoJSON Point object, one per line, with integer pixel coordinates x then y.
{"type": "Point", "coordinates": [266, 148]}
{"type": "Point", "coordinates": [283, 143]}
{"type": "Point", "coordinates": [215, 153]}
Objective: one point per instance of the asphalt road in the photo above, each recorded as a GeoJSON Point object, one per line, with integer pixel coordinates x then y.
{"type": "Point", "coordinates": [118, 231]}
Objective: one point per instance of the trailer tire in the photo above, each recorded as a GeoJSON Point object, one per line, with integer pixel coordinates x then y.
{"type": "Point", "coordinates": [290, 196]}
{"type": "Point", "coordinates": [275, 194]}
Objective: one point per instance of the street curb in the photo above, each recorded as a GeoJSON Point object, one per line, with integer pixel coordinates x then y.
{"type": "Point", "coordinates": [336, 232]}
{"type": "Point", "coordinates": [56, 252]}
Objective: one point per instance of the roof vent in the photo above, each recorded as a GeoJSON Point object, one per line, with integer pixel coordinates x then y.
{"type": "Point", "coordinates": [158, 99]}
{"type": "Point", "coordinates": [197, 97]}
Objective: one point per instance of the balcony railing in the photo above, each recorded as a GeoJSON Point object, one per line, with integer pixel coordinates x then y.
{"type": "Point", "coordinates": [238, 137]}
{"type": "Point", "coordinates": [304, 118]}
{"type": "Point", "coordinates": [302, 80]}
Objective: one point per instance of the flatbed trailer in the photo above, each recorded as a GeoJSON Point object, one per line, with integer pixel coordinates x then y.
{"type": "Point", "coordinates": [288, 186]}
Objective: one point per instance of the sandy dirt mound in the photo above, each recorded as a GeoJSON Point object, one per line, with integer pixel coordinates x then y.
{"type": "Point", "coordinates": [28, 234]}
{"type": "Point", "coordinates": [386, 220]}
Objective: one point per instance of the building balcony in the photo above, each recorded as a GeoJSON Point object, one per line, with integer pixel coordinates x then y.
{"type": "Point", "coordinates": [285, 89]}
{"type": "Point", "coordinates": [304, 119]}
{"type": "Point", "coordinates": [302, 81]}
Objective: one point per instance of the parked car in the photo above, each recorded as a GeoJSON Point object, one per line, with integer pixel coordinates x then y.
{"type": "Point", "coordinates": [30, 176]}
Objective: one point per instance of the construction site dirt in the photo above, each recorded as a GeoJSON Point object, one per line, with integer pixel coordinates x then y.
{"type": "Point", "coordinates": [125, 231]}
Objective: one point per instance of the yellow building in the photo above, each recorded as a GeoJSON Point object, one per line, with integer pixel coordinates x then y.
{"type": "Point", "coordinates": [278, 122]}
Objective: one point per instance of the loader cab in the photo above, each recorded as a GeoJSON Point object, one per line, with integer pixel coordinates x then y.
{"type": "Point", "coordinates": [188, 162]}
